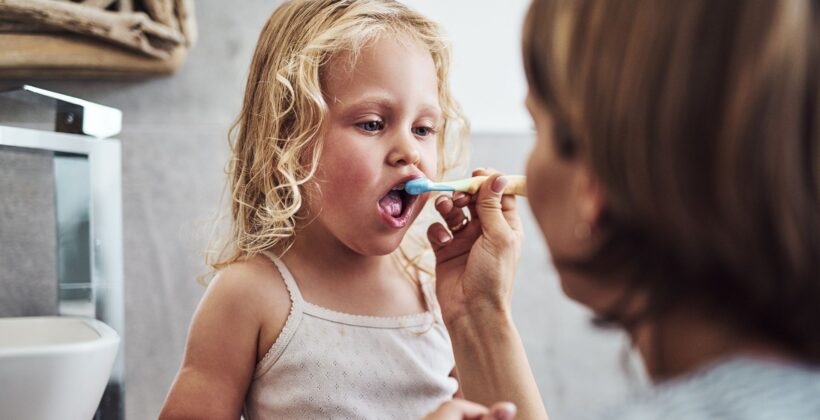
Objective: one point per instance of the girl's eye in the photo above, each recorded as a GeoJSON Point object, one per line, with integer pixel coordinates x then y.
{"type": "Point", "coordinates": [423, 131]}
{"type": "Point", "coordinates": [374, 125]}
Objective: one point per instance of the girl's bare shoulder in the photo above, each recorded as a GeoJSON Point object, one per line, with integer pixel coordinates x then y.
{"type": "Point", "coordinates": [252, 282]}
{"type": "Point", "coordinates": [254, 290]}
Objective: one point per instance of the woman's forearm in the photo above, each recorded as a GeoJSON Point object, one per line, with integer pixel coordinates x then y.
{"type": "Point", "coordinates": [492, 364]}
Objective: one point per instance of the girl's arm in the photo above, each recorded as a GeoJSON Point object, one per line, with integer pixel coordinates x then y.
{"type": "Point", "coordinates": [221, 351]}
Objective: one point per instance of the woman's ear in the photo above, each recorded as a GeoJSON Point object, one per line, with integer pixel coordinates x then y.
{"type": "Point", "coordinates": [590, 197]}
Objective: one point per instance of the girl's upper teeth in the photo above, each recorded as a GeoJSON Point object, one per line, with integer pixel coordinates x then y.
{"type": "Point", "coordinates": [398, 187]}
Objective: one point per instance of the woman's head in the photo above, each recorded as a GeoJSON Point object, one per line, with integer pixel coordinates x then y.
{"type": "Point", "coordinates": [682, 142]}
{"type": "Point", "coordinates": [280, 134]}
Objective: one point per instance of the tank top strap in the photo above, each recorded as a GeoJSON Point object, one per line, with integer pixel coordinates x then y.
{"type": "Point", "coordinates": [290, 282]}
{"type": "Point", "coordinates": [291, 324]}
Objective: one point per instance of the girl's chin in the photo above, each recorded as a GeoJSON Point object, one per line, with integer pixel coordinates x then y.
{"type": "Point", "coordinates": [382, 240]}
{"type": "Point", "coordinates": [378, 245]}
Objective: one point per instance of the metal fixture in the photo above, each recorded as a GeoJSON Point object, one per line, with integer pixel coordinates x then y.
{"type": "Point", "coordinates": [88, 209]}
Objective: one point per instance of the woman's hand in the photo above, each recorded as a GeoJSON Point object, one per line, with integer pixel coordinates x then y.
{"type": "Point", "coordinates": [462, 409]}
{"type": "Point", "coordinates": [476, 258]}
{"type": "Point", "coordinates": [476, 262]}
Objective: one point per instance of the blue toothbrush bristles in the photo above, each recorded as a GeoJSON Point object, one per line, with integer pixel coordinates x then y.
{"type": "Point", "coordinates": [417, 186]}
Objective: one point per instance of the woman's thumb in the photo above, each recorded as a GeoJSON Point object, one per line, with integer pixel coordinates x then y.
{"type": "Point", "coordinates": [488, 206]}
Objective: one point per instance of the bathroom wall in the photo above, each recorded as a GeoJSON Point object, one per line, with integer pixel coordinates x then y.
{"type": "Point", "coordinates": [174, 149]}
{"type": "Point", "coordinates": [27, 183]}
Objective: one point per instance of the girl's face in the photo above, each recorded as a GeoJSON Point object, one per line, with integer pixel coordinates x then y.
{"type": "Point", "coordinates": [380, 132]}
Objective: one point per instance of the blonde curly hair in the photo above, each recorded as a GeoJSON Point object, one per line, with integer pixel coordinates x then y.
{"type": "Point", "coordinates": [274, 140]}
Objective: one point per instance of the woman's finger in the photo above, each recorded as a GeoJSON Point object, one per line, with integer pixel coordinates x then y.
{"type": "Point", "coordinates": [461, 199]}
{"type": "Point", "coordinates": [509, 209]}
{"type": "Point", "coordinates": [458, 410]}
{"type": "Point", "coordinates": [471, 198]}
{"type": "Point", "coordinates": [489, 210]}
{"type": "Point", "coordinates": [508, 202]}
{"type": "Point", "coordinates": [453, 215]}
{"type": "Point", "coordinates": [501, 411]}
{"type": "Point", "coordinates": [438, 236]}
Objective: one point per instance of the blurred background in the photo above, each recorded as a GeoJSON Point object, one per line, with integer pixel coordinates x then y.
{"type": "Point", "coordinates": [174, 148]}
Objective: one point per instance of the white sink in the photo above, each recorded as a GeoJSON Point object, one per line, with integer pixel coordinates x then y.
{"type": "Point", "coordinates": [54, 367]}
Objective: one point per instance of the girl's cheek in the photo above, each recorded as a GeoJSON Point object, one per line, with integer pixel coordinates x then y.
{"type": "Point", "coordinates": [357, 175]}
{"type": "Point", "coordinates": [430, 160]}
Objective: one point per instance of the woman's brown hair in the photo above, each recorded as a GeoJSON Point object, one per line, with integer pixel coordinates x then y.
{"type": "Point", "coordinates": [701, 119]}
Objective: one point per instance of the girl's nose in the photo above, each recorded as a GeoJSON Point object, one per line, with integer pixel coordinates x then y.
{"type": "Point", "coordinates": [404, 151]}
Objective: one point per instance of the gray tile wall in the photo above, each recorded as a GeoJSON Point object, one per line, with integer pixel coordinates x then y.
{"type": "Point", "coordinates": [28, 236]}
{"type": "Point", "coordinates": [174, 150]}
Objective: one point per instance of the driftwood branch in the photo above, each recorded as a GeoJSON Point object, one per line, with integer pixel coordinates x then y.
{"type": "Point", "coordinates": [187, 23]}
{"type": "Point", "coordinates": [25, 27]}
{"type": "Point", "coordinates": [161, 11]}
{"type": "Point", "coordinates": [134, 30]}
{"type": "Point", "coordinates": [126, 6]}
{"type": "Point", "coordinates": [66, 55]}
{"type": "Point", "coordinates": [100, 4]}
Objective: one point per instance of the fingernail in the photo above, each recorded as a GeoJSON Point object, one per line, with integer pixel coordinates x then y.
{"type": "Point", "coordinates": [458, 195]}
{"type": "Point", "coordinates": [499, 184]}
{"type": "Point", "coordinates": [440, 199]}
{"type": "Point", "coordinates": [443, 237]}
{"type": "Point", "coordinates": [504, 411]}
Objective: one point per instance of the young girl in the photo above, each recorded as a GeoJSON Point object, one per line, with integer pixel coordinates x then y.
{"type": "Point", "coordinates": [315, 311]}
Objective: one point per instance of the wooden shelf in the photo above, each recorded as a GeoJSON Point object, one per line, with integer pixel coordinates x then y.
{"type": "Point", "coordinates": [111, 39]}
{"type": "Point", "coordinates": [66, 55]}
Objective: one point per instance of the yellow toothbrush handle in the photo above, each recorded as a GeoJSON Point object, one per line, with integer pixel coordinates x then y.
{"type": "Point", "coordinates": [516, 185]}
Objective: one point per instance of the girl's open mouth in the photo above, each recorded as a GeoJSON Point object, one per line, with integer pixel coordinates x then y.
{"type": "Point", "coordinates": [397, 206]}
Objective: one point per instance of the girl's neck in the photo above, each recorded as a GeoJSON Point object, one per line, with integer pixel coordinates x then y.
{"type": "Point", "coordinates": [681, 344]}
{"type": "Point", "coordinates": [324, 254]}
{"type": "Point", "coordinates": [334, 276]}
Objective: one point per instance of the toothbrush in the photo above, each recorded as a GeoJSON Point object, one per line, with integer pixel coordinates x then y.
{"type": "Point", "coordinates": [515, 186]}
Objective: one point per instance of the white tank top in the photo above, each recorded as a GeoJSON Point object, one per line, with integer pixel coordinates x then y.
{"type": "Point", "coordinates": [327, 364]}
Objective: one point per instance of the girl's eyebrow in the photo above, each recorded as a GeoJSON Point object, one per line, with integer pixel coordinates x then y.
{"type": "Point", "coordinates": [385, 103]}
{"type": "Point", "coordinates": [365, 103]}
{"type": "Point", "coordinates": [430, 109]}
{"type": "Point", "coordinates": [378, 100]}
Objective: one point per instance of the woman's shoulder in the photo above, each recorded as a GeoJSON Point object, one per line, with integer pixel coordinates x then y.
{"type": "Point", "coordinates": [731, 389]}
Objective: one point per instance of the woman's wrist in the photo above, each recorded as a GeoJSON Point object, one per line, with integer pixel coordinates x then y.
{"type": "Point", "coordinates": [491, 361]}
{"type": "Point", "coordinates": [479, 323]}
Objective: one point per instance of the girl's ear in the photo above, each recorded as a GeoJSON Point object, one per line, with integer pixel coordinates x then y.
{"type": "Point", "coordinates": [590, 197]}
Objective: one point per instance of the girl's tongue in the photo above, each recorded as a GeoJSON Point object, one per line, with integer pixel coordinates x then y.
{"type": "Point", "coordinates": [392, 203]}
